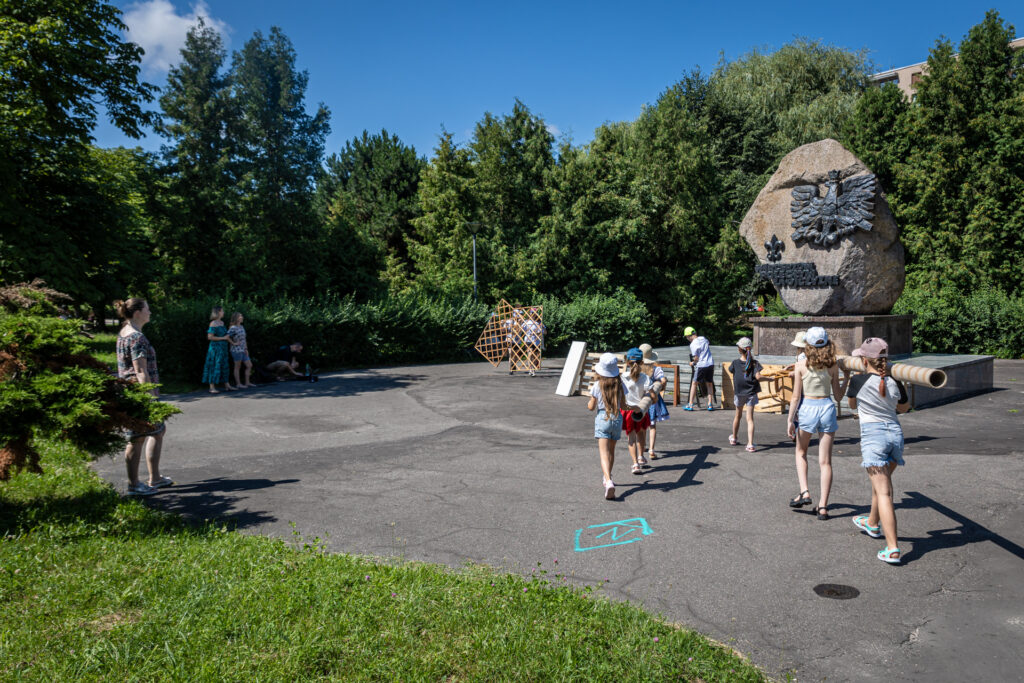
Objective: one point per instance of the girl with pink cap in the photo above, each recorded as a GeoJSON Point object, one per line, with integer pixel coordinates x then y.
{"type": "Point", "coordinates": [878, 398]}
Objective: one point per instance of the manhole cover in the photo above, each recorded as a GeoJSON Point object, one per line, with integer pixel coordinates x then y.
{"type": "Point", "coordinates": [836, 591]}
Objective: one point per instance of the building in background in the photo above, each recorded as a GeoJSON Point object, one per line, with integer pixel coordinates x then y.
{"type": "Point", "coordinates": [906, 77]}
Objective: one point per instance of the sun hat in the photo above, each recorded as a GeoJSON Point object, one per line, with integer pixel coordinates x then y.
{"type": "Point", "coordinates": [799, 341]}
{"type": "Point", "coordinates": [607, 365]}
{"type": "Point", "coordinates": [688, 331]}
{"type": "Point", "coordinates": [634, 354]}
{"type": "Point", "coordinates": [816, 337]}
{"type": "Point", "coordinates": [873, 347]}
{"type": "Point", "coordinates": [649, 355]}
{"type": "Point", "coordinates": [744, 343]}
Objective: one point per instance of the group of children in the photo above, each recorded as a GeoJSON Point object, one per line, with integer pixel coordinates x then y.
{"type": "Point", "coordinates": [617, 396]}
{"type": "Point", "coordinates": [876, 396]}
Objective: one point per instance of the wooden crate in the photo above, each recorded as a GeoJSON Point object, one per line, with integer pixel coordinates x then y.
{"type": "Point", "coordinates": [774, 395]}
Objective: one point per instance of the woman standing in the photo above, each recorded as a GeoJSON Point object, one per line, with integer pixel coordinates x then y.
{"type": "Point", "coordinates": [878, 398]}
{"type": "Point", "coordinates": [216, 370]}
{"type": "Point", "coordinates": [136, 362]}
{"type": "Point", "coordinates": [815, 382]}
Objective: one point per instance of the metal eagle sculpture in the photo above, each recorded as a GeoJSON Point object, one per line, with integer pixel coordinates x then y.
{"type": "Point", "coordinates": [846, 206]}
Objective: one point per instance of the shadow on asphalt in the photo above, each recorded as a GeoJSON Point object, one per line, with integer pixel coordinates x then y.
{"type": "Point", "coordinates": [968, 530]}
{"type": "Point", "coordinates": [332, 387]}
{"type": "Point", "coordinates": [206, 500]}
{"type": "Point", "coordinates": [688, 472]}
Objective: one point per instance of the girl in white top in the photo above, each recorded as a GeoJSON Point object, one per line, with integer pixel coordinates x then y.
{"type": "Point", "coordinates": [637, 385]}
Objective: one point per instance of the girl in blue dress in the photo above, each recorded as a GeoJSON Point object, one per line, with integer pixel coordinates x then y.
{"type": "Point", "coordinates": [216, 371]}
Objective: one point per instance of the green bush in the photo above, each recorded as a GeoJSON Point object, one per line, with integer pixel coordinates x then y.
{"type": "Point", "coordinates": [986, 322]}
{"type": "Point", "coordinates": [606, 323]}
{"type": "Point", "coordinates": [50, 388]}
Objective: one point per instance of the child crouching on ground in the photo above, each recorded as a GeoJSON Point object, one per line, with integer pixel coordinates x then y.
{"type": "Point", "coordinates": [608, 397]}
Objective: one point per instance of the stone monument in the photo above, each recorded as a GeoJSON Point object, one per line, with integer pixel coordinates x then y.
{"type": "Point", "coordinates": [826, 239]}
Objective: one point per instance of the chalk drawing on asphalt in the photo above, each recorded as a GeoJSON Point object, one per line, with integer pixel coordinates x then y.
{"type": "Point", "coordinates": [613, 533]}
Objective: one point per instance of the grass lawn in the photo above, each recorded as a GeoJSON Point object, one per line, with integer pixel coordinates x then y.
{"type": "Point", "coordinates": [96, 587]}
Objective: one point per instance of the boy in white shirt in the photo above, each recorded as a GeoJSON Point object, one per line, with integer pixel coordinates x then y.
{"type": "Point", "coordinates": [703, 367]}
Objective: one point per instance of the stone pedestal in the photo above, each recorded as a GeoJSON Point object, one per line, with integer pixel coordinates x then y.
{"type": "Point", "coordinates": [772, 336]}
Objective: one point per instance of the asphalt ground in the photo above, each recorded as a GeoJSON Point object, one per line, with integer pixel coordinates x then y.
{"type": "Point", "coordinates": [464, 463]}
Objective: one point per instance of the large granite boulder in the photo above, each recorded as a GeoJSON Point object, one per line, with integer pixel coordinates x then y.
{"type": "Point", "coordinates": [825, 235]}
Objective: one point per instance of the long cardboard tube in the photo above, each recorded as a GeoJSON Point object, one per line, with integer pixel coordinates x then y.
{"type": "Point", "coordinates": [640, 410]}
{"type": "Point", "coordinates": [646, 402]}
{"type": "Point", "coordinates": [905, 372]}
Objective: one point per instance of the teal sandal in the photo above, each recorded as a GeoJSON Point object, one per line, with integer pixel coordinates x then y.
{"type": "Point", "coordinates": [887, 555]}
{"type": "Point", "coordinates": [861, 522]}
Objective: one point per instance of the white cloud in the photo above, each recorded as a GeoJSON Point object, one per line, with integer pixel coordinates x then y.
{"type": "Point", "coordinates": [157, 27]}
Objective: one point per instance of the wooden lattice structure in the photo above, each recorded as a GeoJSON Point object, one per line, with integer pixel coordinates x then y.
{"type": "Point", "coordinates": [492, 343]}
{"type": "Point", "coordinates": [516, 332]}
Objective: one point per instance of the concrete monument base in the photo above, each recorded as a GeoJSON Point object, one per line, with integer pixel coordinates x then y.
{"type": "Point", "coordinates": [772, 336]}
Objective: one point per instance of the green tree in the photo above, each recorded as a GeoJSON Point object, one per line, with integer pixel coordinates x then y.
{"type": "Point", "coordinates": [372, 185]}
{"type": "Point", "coordinates": [276, 243]}
{"type": "Point", "coordinates": [763, 105]}
{"type": "Point", "coordinates": [959, 189]}
{"type": "Point", "coordinates": [200, 190]}
{"type": "Point", "coordinates": [594, 212]}
{"type": "Point", "coordinates": [511, 156]}
{"type": "Point", "coordinates": [442, 248]}
{"type": "Point", "coordinates": [60, 60]}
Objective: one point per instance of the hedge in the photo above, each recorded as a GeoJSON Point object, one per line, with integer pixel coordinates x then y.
{"type": "Point", "coordinates": [338, 332]}
{"type": "Point", "coordinates": [983, 322]}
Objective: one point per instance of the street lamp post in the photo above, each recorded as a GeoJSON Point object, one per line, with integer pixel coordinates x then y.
{"type": "Point", "coordinates": [474, 228]}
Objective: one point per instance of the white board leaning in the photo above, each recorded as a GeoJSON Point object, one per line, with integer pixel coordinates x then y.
{"type": "Point", "coordinates": [569, 383]}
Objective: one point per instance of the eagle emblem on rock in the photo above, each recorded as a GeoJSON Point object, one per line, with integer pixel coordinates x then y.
{"type": "Point", "coordinates": [846, 206]}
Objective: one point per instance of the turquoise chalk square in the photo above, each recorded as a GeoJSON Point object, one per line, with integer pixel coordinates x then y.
{"type": "Point", "coordinates": [616, 533]}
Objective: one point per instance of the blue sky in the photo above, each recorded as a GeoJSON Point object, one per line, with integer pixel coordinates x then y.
{"type": "Point", "coordinates": [415, 67]}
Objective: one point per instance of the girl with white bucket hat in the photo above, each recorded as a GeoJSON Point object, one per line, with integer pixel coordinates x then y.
{"type": "Point", "coordinates": [609, 398]}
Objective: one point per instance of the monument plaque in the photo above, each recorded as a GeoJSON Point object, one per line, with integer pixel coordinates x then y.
{"type": "Point", "coordinates": [825, 234]}
{"type": "Point", "coordinates": [828, 242]}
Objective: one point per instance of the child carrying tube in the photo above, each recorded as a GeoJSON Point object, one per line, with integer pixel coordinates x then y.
{"type": "Point", "coordinates": [608, 397]}
{"type": "Point", "coordinates": [658, 411]}
{"type": "Point", "coordinates": [878, 398]}
{"type": "Point", "coordinates": [637, 385]}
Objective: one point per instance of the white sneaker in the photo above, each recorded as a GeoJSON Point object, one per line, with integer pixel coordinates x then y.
{"type": "Point", "coordinates": [140, 489]}
{"type": "Point", "coordinates": [609, 489]}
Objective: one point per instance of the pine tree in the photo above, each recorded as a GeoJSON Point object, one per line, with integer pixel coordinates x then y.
{"type": "Point", "coordinates": [276, 244]}
{"type": "Point", "coordinates": [200, 197]}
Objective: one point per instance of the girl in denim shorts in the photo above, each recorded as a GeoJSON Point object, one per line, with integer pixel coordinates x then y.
{"type": "Point", "coordinates": [609, 398]}
{"type": "Point", "coordinates": [878, 398]}
{"type": "Point", "coordinates": [815, 382]}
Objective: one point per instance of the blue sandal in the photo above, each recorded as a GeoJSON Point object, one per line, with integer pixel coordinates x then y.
{"type": "Point", "coordinates": [887, 555]}
{"type": "Point", "coordinates": [861, 522]}
{"type": "Point", "coordinates": [688, 407]}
